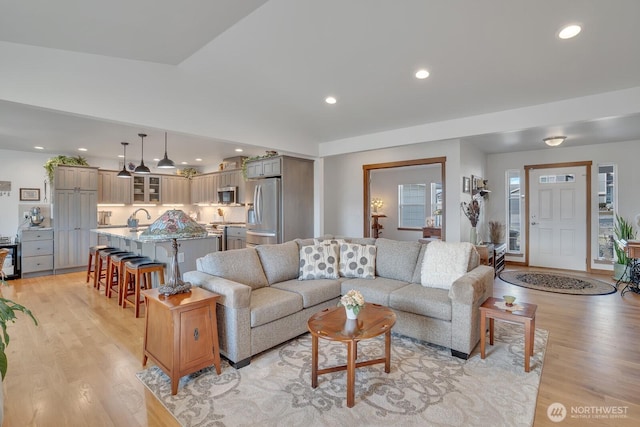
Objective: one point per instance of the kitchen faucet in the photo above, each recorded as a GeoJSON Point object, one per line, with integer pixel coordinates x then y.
{"type": "Point", "coordinates": [133, 215]}
{"type": "Point", "coordinates": [132, 222]}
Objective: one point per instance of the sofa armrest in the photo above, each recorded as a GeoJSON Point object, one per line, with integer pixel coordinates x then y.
{"type": "Point", "coordinates": [474, 285]}
{"type": "Point", "coordinates": [233, 294]}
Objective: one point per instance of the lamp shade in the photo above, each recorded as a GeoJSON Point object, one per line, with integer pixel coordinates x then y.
{"type": "Point", "coordinates": [141, 168]}
{"type": "Point", "coordinates": [173, 224]}
{"type": "Point", "coordinates": [124, 173]}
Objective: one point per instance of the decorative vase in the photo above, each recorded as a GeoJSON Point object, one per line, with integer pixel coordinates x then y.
{"type": "Point", "coordinates": [473, 236]}
{"type": "Point", "coordinates": [350, 313]}
{"type": "Point", "coordinates": [350, 326]}
{"type": "Point", "coordinates": [619, 272]}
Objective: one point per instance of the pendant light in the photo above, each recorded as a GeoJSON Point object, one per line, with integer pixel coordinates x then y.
{"type": "Point", "coordinates": [141, 168]}
{"type": "Point", "coordinates": [166, 163]}
{"type": "Point", "coordinates": [124, 173]}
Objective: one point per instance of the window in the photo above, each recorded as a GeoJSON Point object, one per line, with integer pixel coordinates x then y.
{"type": "Point", "coordinates": [411, 205]}
{"type": "Point", "coordinates": [606, 199]}
{"type": "Point", "coordinates": [513, 211]}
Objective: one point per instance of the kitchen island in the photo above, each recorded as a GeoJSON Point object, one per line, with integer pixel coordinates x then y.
{"type": "Point", "coordinates": [160, 250]}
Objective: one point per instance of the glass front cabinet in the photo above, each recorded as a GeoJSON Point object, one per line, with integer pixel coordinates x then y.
{"type": "Point", "coordinates": [146, 189]}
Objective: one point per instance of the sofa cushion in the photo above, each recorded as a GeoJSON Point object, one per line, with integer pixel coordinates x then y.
{"type": "Point", "coordinates": [444, 263]}
{"type": "Point", "coordinates": [279, 262]}
{"type": "Point", "coordinates": [318, 262]}
{"type": "Point", "coordinates": [395, 259]}
{"type": "Point", "coordinates": [269, 304]}
{"type": "Point", "coordinates": [417, 272]}
{"type": "Point", "coordinates": [376, 291]}
{"type": "Point", "coordinates": [313, 292]}
{"type": "Point", "coordinates": [357, 260]}
{"type": "Point", "coordinates": [242, 266]}
{"type": "Point", "coordinates": [417, 299]}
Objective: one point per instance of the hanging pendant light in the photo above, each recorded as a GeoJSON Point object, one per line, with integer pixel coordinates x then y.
{"type": "Point", "coordinates": [141, 168]}
{"type": "Point", "coordinates": [124, 173]}
{"type": "Point", "coordinates": [166, 163]}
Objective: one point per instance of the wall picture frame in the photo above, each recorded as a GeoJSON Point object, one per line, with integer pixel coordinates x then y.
{"type": "Point", "coordinates": [29, 194]}
{"type": "Point", "coordinates": [466, 184]}
{"type": "Point", "coordinates": [476, 182]}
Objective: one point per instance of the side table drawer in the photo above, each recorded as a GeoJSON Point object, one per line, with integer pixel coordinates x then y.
{"type": "Point", "coordinates": [37, 247]}
{"type": "Point", "coordinates": [37, 263]}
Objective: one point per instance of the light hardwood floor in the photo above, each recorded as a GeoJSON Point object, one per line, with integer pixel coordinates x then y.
{"type": "Point", "coordinates": [77, 368]}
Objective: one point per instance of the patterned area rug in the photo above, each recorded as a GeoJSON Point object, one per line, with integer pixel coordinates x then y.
{"type": "Point", "coordinates": [559, 283]}
{"type": "Point", "coordinates": [426, 386]}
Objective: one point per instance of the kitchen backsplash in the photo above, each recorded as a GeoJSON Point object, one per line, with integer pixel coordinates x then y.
{"type": "Point", "coordinates": [202, 214]}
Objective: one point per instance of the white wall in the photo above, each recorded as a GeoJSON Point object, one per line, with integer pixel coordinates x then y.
{"type": "Point", "coordinates": [626, 155]}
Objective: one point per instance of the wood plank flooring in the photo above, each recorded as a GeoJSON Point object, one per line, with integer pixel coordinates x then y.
{"type": "Point", "coordinates": [77, 368]}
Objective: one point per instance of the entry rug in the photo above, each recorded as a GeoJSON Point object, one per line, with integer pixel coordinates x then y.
{"type": "Point", "coordinates": [426, 386]}
{"type": "Point", "coordinates": [559, 283]}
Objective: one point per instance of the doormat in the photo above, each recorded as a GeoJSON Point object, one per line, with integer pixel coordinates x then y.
{"type": "Point", "coordinates": [559, 283]}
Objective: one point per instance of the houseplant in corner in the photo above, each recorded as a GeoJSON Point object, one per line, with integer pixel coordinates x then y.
{"type": "Point", "coordinates": [623, 230]}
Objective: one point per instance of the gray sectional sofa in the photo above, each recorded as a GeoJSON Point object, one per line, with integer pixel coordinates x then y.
{"type": "Point", "coordinates": [264, 304]}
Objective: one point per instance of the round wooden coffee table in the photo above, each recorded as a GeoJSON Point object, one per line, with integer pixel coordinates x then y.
{"type": "Point", "coordinates": [332, 324]}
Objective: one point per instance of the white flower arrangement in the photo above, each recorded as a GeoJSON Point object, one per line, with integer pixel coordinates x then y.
{"type": "Point", "coordinates": [353, 300]}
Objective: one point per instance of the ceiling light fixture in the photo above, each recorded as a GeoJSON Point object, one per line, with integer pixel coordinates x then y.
{"type": "Point", "coordinates": [82, 149]}
{"type": "Point", "coordinates": [569, 31]}
{"type": "Point", "coordinates": [330, 100]}
{"type": "Point", "coordinates": [422, 74]}
{"type": "Point", "coordinates": [238, 150]}
{"type": "Point", "coordinates": [37, 147]}
{"type": "Point", "coordinates": [166, 163]}
{"type": "Point", "coordinates": [124, 173]}
{"type": "Point", "coordinates": [554, 141]}
{"type": "Point", "coordinates": [141, 168]}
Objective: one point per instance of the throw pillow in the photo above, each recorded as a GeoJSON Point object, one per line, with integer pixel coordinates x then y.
{"type": "Point", "coordinates": [332, 241]}
{"type": "Point", "coordinates": [358, 261]}
{"type": "Point", "coordinates": [318, 262]}
{"type": "Point", "coordinates": [444, 263]}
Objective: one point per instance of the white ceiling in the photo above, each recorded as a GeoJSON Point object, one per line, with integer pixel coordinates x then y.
{"type": "Point", "coordinates": [255, 73]}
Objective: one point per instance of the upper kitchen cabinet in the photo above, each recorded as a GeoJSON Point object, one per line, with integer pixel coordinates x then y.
{"type": "Point", "coordinates": [204, 188]}
{"type": "Point", "coordinates": [146, 189]}
{"type": "Point", "coordinates": [75, 178]}
{"type": "Point", "coordinates": [175, 190]}
{"type": "Point", "coordinates": [232, 178]}
{"type": "Point", "coordinates": [263, 168]}
{"type": "Point", "coordinates": [112, 189]}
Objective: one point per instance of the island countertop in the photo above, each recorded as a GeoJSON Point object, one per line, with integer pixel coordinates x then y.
{"type": "Point", "coordinates": [135, 236]}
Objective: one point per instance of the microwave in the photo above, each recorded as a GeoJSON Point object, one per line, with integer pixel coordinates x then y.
{"type": "Point", "coordinates": [227, 195]}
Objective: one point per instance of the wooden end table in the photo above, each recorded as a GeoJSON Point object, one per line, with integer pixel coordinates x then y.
{"type": "Point", "coordinates": [332, 324]}
{"type": "Point", "coordinates": [526, 316]}
{"type": "Point", "coordinates": [181, 332]}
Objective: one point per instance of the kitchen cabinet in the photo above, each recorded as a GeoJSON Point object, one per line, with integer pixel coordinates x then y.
{"type": "Point", "coordinates": [75, 178]}
{"type": "Point", "coordinates": [37, 252]}
{"type": "Point", "coordinates": [233, 178]}
{"type": "Point", "coordinates": [146, 189]}
{"type": "Point", "coordinates": [75, 213]}
{"type": "Point", "coordinates": [181, 332]}
{"type": "Point", "coordinates": [204, 188]}
{"type": "Point", "coordinates": [235, 238]}
{"type": "Point", "coordinates": [175, 190]}
{"type": "Point", "coordinates": [112, 189]}
{"type": "Point", "coordinates": [263, 168]}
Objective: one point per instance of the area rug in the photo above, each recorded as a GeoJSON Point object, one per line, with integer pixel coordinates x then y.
{"type": "Point", "coordinates": [559, 283]}
{"type": "Point", "coordinates": [426, 386]}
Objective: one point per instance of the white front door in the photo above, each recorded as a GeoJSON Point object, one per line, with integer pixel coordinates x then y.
{"type": "Point", "coordinates": [558, 218]}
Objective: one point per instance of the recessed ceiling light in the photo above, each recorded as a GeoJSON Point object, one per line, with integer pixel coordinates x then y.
{"type": "Point", "coordinates": [422, 74]}
{"type": "Point", "coordinates": [330, 100]}
{"type": "Point", "coordinates": [198, 160]}
{"type": "Point", "coordinates": [156, 160]}
{"type": "Point", "coordinates": [121, 156]}
{"type": "Point", "coordinates": [82, 149]}
{"type": "Point", "coordinates": [184, 163]}
{"type": "Point", "coordinates": [569, 31]}
{"type": "Point", "coordinates": [37, 147]}
{"type": "Point", "coordinates": [239, 150]}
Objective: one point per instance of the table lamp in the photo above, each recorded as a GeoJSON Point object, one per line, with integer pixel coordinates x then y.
{"type": "Point", "coordinates": [173, 225]}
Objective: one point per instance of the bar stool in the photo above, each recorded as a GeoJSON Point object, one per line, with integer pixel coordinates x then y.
{"type": "Point", "coordinates": [115, 270]}
{"type": "Point", "coordinates": [101, 266]}
{"type": "Point", "coordinates": [135, 272]}
{"type": "Point", "coordinates": [93, 261]}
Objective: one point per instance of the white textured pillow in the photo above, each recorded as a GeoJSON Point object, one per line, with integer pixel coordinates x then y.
{"type": "Point", "coordinates": [358, 261]}
{"type": "Point", "coordinates": [444, 263]}
{"type": "Point", "coordinates": [318, 262]}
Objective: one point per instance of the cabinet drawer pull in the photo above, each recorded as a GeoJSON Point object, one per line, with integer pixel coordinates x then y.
{"type": "Point", "coordinates": [196, 334]}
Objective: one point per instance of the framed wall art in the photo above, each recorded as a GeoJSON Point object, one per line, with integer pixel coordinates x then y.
{"type": "Point", "coordinates": [466, 184]}
{"type": "Point", "coordinates": [30, 194]}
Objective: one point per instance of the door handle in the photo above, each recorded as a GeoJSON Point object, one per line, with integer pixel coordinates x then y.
{"type": "Point", "coordinates": [534, 223]}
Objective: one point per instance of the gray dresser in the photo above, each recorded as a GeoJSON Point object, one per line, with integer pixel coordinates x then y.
{"type": "Point", "coordinates": [36, 251]}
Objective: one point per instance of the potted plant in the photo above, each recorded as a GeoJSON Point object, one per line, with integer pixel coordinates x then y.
{"type": "Point", "coordinates": [50, 165]}
{"type": "Point", "coordinates": [623, 230]}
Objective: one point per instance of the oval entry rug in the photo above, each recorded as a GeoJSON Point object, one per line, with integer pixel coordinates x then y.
{"type": "Point", "coordinates": [559, 283]}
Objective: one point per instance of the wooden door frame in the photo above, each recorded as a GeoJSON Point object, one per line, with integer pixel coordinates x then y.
{"type": "Point", "coordinates": [587, 165]}
{"type": "Point", "coordinates": [366, 176]}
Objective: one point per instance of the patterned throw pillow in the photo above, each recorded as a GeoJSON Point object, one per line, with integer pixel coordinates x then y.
{"type": "Point", "coordinates": [318, 262]}
{"type": "Point", "coordinates": [358, 261]}
{"type": "Point", "coordinates": [328, 241]}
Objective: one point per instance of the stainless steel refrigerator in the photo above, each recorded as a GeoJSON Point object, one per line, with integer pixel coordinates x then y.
{"type": "Point", "coordinates": [264, 212]}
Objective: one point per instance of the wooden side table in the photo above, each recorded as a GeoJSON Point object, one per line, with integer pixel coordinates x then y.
{"type": "Point", "coordinates": [526, 316]}
{"type": "Point", "coordinates": [181, 332]}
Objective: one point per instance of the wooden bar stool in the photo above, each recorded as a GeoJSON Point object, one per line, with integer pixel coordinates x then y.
{"type": "Point", "coordinates": [136, 272]}
{"type": "Point", "coordinates": [93, 261]}
{"type": "Point", "coordinates": [100, 275]}
{"type": "Point", "coordinates": [115, 270]}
